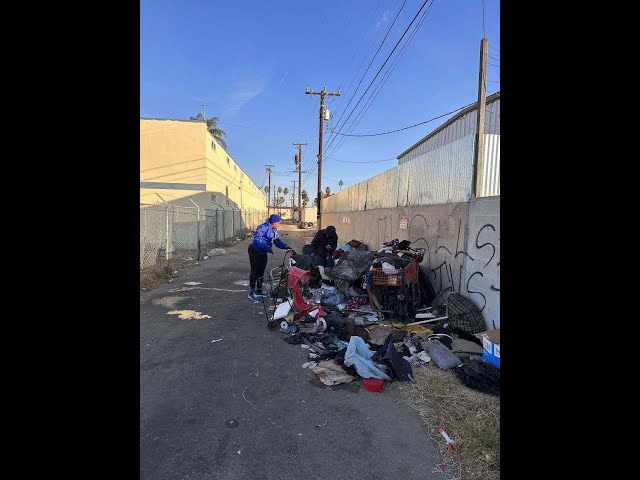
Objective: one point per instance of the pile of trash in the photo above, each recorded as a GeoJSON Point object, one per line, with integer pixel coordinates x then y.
{"type": "Point", "coordinates": [375, 316]}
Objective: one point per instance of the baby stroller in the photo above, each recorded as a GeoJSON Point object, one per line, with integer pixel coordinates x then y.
{"type": "Point", "coordinates": [285, 303]}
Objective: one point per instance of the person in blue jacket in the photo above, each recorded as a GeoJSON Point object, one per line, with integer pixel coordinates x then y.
{"type": "Point", "coordinates": [265, 235]}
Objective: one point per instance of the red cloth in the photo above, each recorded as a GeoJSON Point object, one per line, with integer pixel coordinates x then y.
{"type": "Point", "coordinates": [297, 275]}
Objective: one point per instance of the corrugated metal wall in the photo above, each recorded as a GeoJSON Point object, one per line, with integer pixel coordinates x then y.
{"type": "Point", "coordinates": [440, 176]}
{"type": "Point", "coordinates": [490, 167]}
{"type": "Point", "coordinates": [463, 126]}
{"type": "Point", "coordinates": [437, 171]}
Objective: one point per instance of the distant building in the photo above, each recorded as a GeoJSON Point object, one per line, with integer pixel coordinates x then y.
{"type": "Point", "coordinates": [179, 159]}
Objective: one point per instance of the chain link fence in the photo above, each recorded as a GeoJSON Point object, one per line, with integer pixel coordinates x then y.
{"type": "Point", "coordinates": [167, 231]}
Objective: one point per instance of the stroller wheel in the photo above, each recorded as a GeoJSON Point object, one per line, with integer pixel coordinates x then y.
{"type": "Point", "coordinates": [272, 325]}
{"type": "Point", "coordinates": [284, 324]}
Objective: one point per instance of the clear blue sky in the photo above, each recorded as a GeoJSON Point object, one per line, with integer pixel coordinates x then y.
{"type": "Point", "coordinates": [249, 61]}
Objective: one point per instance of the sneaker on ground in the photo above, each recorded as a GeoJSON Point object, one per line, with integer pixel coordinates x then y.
{"type": "Point", "coordinates": [255, 298]}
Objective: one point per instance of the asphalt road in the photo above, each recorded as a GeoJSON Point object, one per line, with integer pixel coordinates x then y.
{"type": "Point", "coordinates": [243, 407]}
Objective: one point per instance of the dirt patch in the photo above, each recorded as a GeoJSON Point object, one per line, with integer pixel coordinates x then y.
{"type": "Point", "coordinates": [469, 417]}
{"type": "Point", "coordinates": [169, 302]}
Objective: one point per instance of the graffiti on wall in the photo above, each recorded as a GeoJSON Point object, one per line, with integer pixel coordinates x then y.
{"type": "Point", "coordinates": [446, 271]}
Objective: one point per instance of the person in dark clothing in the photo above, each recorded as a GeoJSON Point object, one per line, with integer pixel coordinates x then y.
{"type": "Point", "coordinates": [266, 234]}
{"type": "Point", "coordinates": [323, 245]}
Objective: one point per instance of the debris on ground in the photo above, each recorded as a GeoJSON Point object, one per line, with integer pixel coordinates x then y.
{"type": "Point", "coordinates": [217, 251]}
{"type": "Point", "coordinates": [374, 317]}
{"type": "Point", "coordinates": [193, 283]}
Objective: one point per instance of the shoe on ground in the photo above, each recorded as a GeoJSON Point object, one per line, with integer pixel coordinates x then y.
{"type": "Point", "coordinates": [255, 298]}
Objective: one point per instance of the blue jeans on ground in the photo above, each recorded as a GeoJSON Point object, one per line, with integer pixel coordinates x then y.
{"type": "Point", "coordinates": [324, 262]}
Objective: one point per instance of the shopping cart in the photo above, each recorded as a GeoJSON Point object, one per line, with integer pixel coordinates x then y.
{"type": "Point", "coordinates": [395, 292]}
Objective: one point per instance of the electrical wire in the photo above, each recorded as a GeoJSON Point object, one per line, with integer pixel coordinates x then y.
{"type": "Point", "coordinates": [405, 128]}
{"type": "Point", "coordinates": [370, 161]}
{"type": "Point", "coordinates": [385, 62]}
{"type": "Point", "coordinates": [372, 60]}
{"type": "Point", "coordinates": [383, 81]}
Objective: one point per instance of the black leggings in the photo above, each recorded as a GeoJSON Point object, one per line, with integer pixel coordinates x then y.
{"type": "Point", "coordinates": [258, 265]}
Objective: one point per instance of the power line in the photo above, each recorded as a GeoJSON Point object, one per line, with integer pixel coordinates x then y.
{"type": "Point", "coordinates": [381, 84]}
{"type": "Point", "coordinates": [405, 128]}
{"type": "Point", "coordinates": [491, 56]}
{"type": "Point", "coordinates": [370, 161]}
{"type": "Point", "coordinates": [385, 62]}
{"type": "Point", "coordinates": [383, 81]}
{"type": "Point", "coordinates": [370, 63]}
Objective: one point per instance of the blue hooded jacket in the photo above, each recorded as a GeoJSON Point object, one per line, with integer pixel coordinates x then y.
{"type": "Point", "coordinates": [263, 238]}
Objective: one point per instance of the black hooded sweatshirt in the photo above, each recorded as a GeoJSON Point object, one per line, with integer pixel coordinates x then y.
{"type": "Point", "coordinates": [325, 237]}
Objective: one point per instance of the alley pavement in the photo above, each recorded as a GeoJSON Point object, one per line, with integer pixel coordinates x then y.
{"type": "Point", "coordinates": [226, 398]}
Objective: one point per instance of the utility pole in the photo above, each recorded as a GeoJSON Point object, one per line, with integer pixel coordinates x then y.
{"type": "Point", "coordinates": [293, 197]}
{"type": "Point", "coordinates": [269, 193]}
{"type": "Point", "coordinates": [322, 94]}
{"type": "Point", "coordinates": [482, 91]}
{"type": "Point", "coordinates": [298, 160]}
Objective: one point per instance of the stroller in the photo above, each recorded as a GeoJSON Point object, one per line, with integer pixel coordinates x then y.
{"type": "Point", "coordinates": [285, 305]}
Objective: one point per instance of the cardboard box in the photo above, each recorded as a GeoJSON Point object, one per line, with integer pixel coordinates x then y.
{"type": "Point", "coordinates": [490, 346]}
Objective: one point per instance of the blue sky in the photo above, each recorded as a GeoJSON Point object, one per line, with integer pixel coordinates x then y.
{"type": "Point", "coordinates": [249, 62]}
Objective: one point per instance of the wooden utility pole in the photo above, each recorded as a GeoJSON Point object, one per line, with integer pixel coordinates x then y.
{"type": "Point", "coordinates": [269, 194]}
{"type": "Point", "coordinates": [322, 94]}
{"type": "Point", "coordinates": [298, 161]}
{"type": "Point", "coordinates": [293, 198]}
{"type": "Point", "coordinates": [482, 91]}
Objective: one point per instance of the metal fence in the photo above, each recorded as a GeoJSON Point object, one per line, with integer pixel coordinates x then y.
{"type": "Point", "coordinates": [167, 230]}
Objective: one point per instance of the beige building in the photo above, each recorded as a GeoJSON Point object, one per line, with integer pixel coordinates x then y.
{"type": "Point", "coordinates": [179, 159]}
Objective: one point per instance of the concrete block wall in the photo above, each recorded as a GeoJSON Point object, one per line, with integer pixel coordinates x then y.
{"type": "Point", "coordinates": [482, 261]}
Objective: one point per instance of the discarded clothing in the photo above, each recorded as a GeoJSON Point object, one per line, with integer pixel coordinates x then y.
{"type": "Point", "coordinates": [289, 329]}
{"type": "Point", "coordinates": [332, 298]}
{"type": "Point", "coordinates": [440, 354]}
{"type": "Point", "coordinates": [399, 366]}
{"type": "Point", "coordinates": [359, 355]}
{"type": "Point", "coordinates": [345, 247]}
{"type": "Point", "coordinates": [355, 243]}
{"type": "Point", "coordinates": [480, 376]}
{"type": "Point", "coordinates": [462, 313]}
{"type": "Point", "coordinates": [305, 262]}
{"type": "Point", "coordinates": [294, 339]}
{"type": "Point", "coordinates": [355, 303]}
{"type": "Point", "coordinates": [330, 373]}
{"type": "Point", "coordinates": [367, 280]}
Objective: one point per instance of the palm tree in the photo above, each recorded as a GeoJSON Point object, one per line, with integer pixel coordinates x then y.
{"type": "Point", "coordinates": [279, 193]}
{"type": "Point", "coordinates": [212, 128]}
{"type": "Point", "coordinates": [285, 192]}
{"type": "Point", "coordinates": [266, 191]}
{"type": "Point", "coordinates": [305, 198]}
{"type": "Point", "coordinates": [340, 183]}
